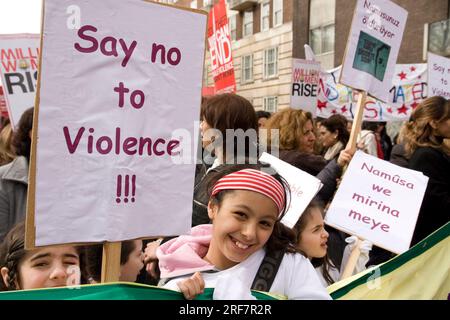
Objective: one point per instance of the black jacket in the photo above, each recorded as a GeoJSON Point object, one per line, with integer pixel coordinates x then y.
{"type": "Point", "coordinates": [435, 209]}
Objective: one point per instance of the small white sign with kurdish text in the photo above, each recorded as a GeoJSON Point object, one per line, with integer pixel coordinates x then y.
{"type": "Point", "coordinates": [370, 202]}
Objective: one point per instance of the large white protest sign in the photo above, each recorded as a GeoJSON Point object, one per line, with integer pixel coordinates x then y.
{"type": "Point", "coordinates": [18, 72]}
{"type": "Point", "coordinates": [303, 187]}
{"type": "Point", "coordinates": [117, 79]}
{"type": "Point", "coordinates": [438, 76]}
{"type": "Point", "coordinates": [305, 84]}
{"type": "Point", "coordinates": [370, 202]}
{"type": "Point", "coordinates": [373, 46]}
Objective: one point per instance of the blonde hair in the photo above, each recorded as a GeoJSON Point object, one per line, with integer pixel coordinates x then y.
{"type": "Point", "coordinates": [290, 123]}
{"type": "Point", "coordinates": [6, 151]}
{"type": "Point", "coordinates": [419, 131]}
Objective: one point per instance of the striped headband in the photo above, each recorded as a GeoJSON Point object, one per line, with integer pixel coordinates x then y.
{"type": "Point", "coordinates": [253, 180]}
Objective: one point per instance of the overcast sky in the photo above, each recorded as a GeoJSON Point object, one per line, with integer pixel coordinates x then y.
{"type": "Point", "coordinates": [20, 16]}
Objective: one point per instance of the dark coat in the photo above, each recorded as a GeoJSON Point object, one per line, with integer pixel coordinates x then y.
{"type": "Point", "coordinates": [435, 209]}
{"type": "Point", "coordinates": [13, 194]}
{"type": "Point", "coordinates": [310, 163]}
{"type": "Point", "coordinates": [398, 156]}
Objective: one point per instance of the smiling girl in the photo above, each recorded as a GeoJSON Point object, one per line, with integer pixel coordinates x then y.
{"type": "Point", "coordinates": [46, 267]}
{"type": "Point", "coordinates": [246, 205]}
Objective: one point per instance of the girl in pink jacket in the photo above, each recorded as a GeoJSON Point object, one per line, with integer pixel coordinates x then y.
{"type": "Point", "coordinates": [246, 205]}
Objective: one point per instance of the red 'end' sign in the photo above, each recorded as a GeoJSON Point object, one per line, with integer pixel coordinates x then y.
{"type": "Point", "coordinates": [219, 42]}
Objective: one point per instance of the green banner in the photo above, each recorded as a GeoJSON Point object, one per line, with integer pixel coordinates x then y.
{"type": "Point", "coordinates": [422, 272]}
{"type": "Point", "coordinates": [110, 291]}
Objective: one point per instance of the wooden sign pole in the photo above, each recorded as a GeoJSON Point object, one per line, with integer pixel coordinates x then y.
{"type": "Point", "coordinates": [351, 145]}
{"type": "Point", "coordinates": [357, 121]}
{"type": "Point", "coordinates": [111, 262]}
{"type": "Point", "coordinates": [352, 260]}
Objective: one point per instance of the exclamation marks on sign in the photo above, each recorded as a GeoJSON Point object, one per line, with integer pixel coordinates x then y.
{"type": "Point", "coordinates": [126, 188]}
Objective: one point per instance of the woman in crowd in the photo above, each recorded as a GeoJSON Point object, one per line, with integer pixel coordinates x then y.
{"type": "Point", "coordinates": [14, 176]}
{"type": "Point", "coordinates": [6, 151]}
{"type": "Point", "coordinates": [46, 267]}
{"type": "Point", "coordinates": [334, 136]}
{"type": "Point", "coordinates": [296, 137]}
{"type": "Point", "coordinates": [262, 116]}
{"type": "Point", "coordinates": [427, 152]}
{"type": "Point", "coordinates": [397, 155]}
{"type": "Point", "coordinates": [384, 140]}
{"type": "Point", "coordinates": [226, 119]}
{"type": "Point", "coordinates": [246, 205]}
{"type": "Point", "coordinates": [367, 140]}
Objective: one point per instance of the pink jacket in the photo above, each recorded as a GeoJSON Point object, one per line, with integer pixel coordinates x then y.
{"type": "Point", "coordinates": [184, 254]}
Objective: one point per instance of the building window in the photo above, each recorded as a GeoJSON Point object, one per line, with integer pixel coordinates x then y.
{"type": "Point", "coordinates": [265, 13]}
{"type": "Point", "coordinates": [232, 24]}
{"type": "Point", "coordinates": [248, 23]}
{"type": "Point", "coordinates": [322, 39]}
{"type": "Point", "coordinates": [277, 12]}
{"type": "Point", "coordinates": [270, 63]}
{"type": "Point", "coordinates": [194, 4]}
{"type": "Point", "coordinates": [270, 104]}
{"type": "Point", "coordinates": [439, 38]}
{"type": "Point", "coordinates": [247, 69]}
{"type": "Point", "coordinates": [321, 26]}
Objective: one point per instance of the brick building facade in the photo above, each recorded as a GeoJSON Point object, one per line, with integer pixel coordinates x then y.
{"type": "Point", "coordinates": [267, 34]}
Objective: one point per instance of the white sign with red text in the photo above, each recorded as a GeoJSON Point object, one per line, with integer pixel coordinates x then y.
{"type": "Point", "coordinates": [112, 94]}
{"type": "Point", "coordinates": [438, 76]}
{"type": "Point", "coordinates": [370, 202]}
{"type": "Point", "coordinates": [305, 85]}
{"type": "Point", "coordinates": [219, 42]}
{"type": "Point", "coordinates": [303, 187]}
{"type": "Point", "coordinates": [19, 57]}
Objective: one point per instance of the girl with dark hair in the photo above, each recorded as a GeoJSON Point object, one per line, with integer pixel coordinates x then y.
{"type": "Point", "coordinates": [246, 205]}
{"type": "Point", "coordinates": [6, 152]}
{"type": "Point", "coordinates": [14, 176]}
{"type": "Point", "coordinates": [229, 135]}
{"type": "Point", "coordinates": [131, 261]}
{"type": "Point", "coordinates": [56, 266]}
{"type": "Point", "coordinates": [312, 241]}
{"type": "Point", "coordinates": [334, 136]}
{"type": "Point", "coordinates": [427, 151]}
{"type": "Point", "coordinates": [221, 116]}
{"type": "Point", "coordinates": [229, 130]}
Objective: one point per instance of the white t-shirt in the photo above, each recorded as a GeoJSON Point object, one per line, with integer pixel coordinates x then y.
{"type": "Point", "coordinates": [296, 279]}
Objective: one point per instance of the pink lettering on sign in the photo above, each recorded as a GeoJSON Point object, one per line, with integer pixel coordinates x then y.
{"type": "Point", "coordinates": [108, 45]}
{"type": "Point", "coordinates": [128, 183]}
{"type": "Point", "coordinates": [130, 146]}
{"type": "Point", "coordinates": [368, 220]}
{"type": "Point", "coordinates": [112, 47]}
{"type": "Point", "coordinates": [137, 97]}
{"type": "Point", "coordinates": [387, 176]}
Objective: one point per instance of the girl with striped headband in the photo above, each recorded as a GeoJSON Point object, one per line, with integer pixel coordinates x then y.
{"type": "Point", "coordinates": [246, 205]}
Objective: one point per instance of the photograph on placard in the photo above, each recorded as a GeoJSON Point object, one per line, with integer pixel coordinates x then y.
{"type": "Point", "coordinates": [371, 56]}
